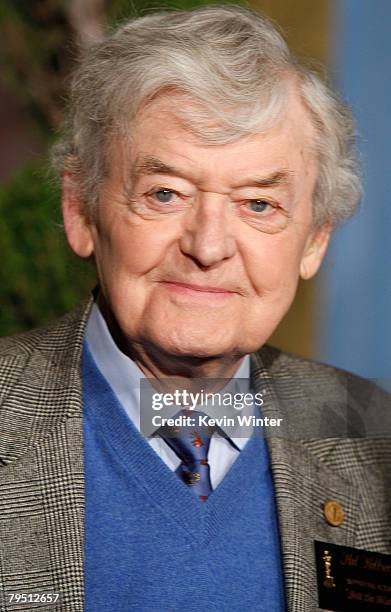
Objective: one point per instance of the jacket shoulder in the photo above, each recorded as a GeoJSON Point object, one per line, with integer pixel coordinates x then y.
{"type": "Point", "coordinates": [53, 348]}
{"type": "Point", "coordinates": [284, 364]}
{"type": "Point", "coordinates": [52, 335]}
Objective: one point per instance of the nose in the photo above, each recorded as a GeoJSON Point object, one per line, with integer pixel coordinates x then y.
{"type": "Point", "coordinates": [207, 236]}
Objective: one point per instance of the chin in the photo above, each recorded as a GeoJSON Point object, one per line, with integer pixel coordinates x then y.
{"type": "Point", "coordinates": [190, 342]}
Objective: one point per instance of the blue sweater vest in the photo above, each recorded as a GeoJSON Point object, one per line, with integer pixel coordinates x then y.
{"type": "Point", "coordinates": [150, 544]}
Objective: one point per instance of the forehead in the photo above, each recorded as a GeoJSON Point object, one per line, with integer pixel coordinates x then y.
{"type": "Point", "coordinates": [159, 133]}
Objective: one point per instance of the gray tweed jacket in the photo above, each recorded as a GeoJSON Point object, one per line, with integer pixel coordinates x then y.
{"type": "Point", "coordinates": [41, 463]}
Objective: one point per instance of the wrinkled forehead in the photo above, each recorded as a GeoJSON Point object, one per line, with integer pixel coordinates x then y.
{"type": "Point", "coordinates": [167, 118]}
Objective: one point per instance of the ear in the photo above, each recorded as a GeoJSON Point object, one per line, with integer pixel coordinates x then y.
{"type": "Point", "coordinates": [77, 226]}
{"type": "Point", "coordinates": [314, 251]}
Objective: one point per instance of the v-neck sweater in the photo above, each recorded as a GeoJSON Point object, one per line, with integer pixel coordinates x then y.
{"type": "Point", "coordinates": [150, 544]}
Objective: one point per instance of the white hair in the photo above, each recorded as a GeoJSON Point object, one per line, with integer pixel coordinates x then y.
{"type": "Point", "coordinates": [233, 65]}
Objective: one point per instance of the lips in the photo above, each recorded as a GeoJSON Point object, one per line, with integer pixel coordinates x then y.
{"type": "Point", "coordinates": [200, 288]}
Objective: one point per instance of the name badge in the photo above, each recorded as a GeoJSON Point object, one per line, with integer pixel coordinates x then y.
{"type": "Point", "coordinates": [351, 579]}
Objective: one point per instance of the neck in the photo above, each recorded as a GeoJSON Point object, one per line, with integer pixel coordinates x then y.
{"type": "Point", "coordinates": [157, 363]}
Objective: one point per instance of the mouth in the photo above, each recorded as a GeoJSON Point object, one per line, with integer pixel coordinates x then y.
{"type": "Point", "coordinates": [198, 290]}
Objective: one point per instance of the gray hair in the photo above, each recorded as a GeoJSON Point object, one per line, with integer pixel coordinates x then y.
{"type": "Point", "coordinates": [233, 65]}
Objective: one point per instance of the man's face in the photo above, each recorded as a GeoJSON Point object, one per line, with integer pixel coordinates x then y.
{"type": "Point", "coordinates": [199, 247]}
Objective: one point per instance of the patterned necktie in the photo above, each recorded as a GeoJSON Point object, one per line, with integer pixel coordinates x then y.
{"type": "Point", "coordinates": [191, 444]}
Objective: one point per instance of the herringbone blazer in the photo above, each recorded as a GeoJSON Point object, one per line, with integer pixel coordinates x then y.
{"type": "Point", "coordinates": [42, 479]}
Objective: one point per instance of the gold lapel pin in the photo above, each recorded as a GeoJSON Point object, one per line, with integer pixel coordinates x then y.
{"type": "Point", "coordinates": [333, 513]}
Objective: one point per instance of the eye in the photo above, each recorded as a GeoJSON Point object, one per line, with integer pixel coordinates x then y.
{"type": "Point", "coordinates": [258, 205]}
{"type": "Point", "coordinates": [164, 196]}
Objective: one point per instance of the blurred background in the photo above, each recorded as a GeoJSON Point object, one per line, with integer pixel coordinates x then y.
{"type": "Point", "coordinates": [343, 316]}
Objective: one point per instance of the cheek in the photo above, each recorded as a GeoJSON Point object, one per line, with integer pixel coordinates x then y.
{"type": "Point", "coordinates": [272, 265]}
{"type": "Point", "coordinates": [133, 248]}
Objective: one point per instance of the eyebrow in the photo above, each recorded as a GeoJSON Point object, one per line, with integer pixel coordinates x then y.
{"type": "Point", "coordinates": [279, 178]}
{"type": "Point", "coordinates": [152, 165]}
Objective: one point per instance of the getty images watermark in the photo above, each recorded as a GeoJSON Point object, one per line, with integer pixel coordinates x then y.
{"type": "Point", "coordinates": [228, 406]}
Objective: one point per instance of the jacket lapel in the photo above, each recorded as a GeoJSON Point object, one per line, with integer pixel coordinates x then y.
{"type": "Point", "coordinates": [303, 483]}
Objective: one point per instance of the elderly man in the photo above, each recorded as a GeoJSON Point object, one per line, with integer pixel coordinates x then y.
{"type": "Point", "coordinates": [203, 171]}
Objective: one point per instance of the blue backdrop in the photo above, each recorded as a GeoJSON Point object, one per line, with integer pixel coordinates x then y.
{"type": "Point", "coordinates": [355, 297]}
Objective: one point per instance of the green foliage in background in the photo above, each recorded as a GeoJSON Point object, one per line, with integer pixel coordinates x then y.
{"type": "Point", "coordinates": [39, 277]}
